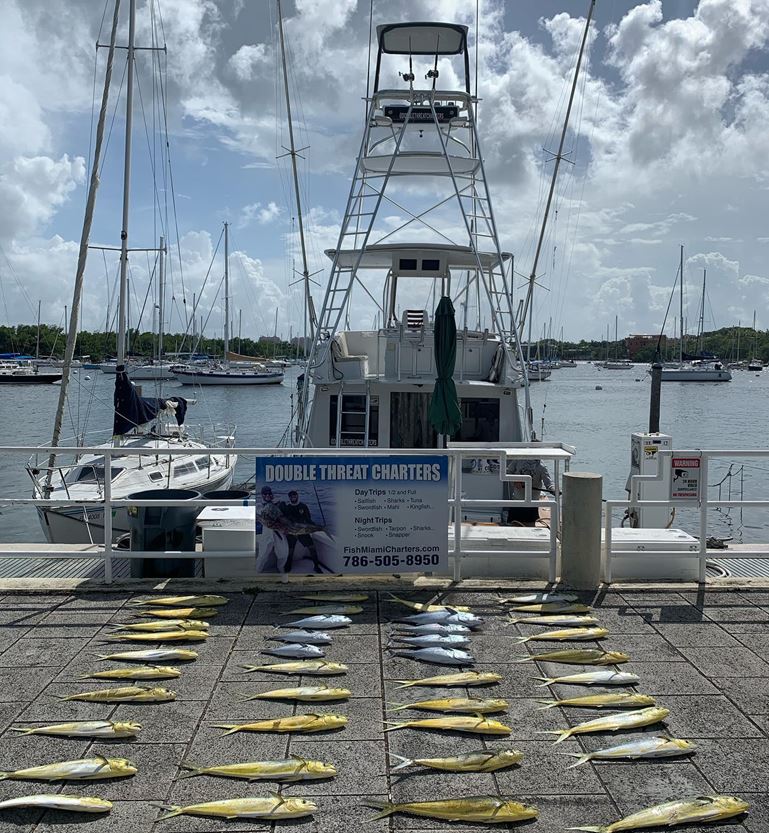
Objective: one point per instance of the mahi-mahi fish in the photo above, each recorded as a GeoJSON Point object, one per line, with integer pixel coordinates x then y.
{"type": "Point", "coordinates": [702, 808]}
{"type": "Point", "coordinates": [603, 677]}
{"type": "Point", "coordinates": [280, 523]}
{"type": "Point", "coordinates": [484, 760]}
{"type": "Point", "coordinates": [477, 724]}
{"type": "Point", "coordinates": [84, 729]}
{"type": "Point", "coordinates": [654, 747]}
{"type": "Point", "coordinates": [613, 722]}
{"type": "Point", "coordinates": [577, 656]}
{"type": "Point", "coordinates": [71, 803]}
{"type": "Point", "coordinates": [622, 700]}
{"type": "Point", "coordinates": [485, 809]}
{"type": "Point", "coordinates": [455, 705]}
{"type": "Point", "coordinates": [275, 807]}
{"type": "Point", "coordinates": [462, 678]}
{"type": "Point", "coordinates": [304, 723]}
{"type": "Point", "coordinates": [179, 601]}
{"type": "Point", "coordinates": [287, 770]}
{"type": "Point", "coordinates": [83, 769]}
{"type": "Point", "coordinates": [565, 635]}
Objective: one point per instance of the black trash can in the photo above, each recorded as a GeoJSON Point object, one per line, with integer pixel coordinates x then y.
{"type": "Point", "coordinates": [163, 528]}
{"type": "Point", "coordinates": [227, 494]}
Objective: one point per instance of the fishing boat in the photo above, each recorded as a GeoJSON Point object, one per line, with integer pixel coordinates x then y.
{"type": "Point", "coordinates": [373, 388]}
{"type": "Point", "coordinates": [225, 372]}
{"type": "Point", "coordinates": [156, 424]}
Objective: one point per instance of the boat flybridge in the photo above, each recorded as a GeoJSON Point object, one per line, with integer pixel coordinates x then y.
{"type": "Point", "coordinates": [418, 226]}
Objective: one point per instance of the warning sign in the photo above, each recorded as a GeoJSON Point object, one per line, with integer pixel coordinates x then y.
{"type": "Point", "coordinates": [685, 478]}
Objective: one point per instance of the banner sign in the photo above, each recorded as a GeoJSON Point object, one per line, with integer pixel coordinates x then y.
{"type": "Point", "coordinates": [685, 478]}
{"type": "Point", "coordinates": [443, 113]}
{"type": "Point", "coordinates": [352, 514]}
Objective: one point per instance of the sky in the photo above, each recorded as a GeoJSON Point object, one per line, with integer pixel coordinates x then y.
{"type": "Point", "coordinates": [668, 146]}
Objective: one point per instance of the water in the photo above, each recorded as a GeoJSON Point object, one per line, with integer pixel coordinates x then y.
{"type": "Point", "coordinates": [597, 422]}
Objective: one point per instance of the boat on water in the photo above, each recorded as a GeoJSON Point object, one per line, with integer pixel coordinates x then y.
{"type": "Point", "coordinates": [617, 364]}
{"type": "Point", "coordinates": [154, 423]}
{"type": "Point", "coordinates": [372, 388]}
{"type": "Point", "coordinates": [18, 373]}
{"type": "Point", "coordinates": [227, 373]}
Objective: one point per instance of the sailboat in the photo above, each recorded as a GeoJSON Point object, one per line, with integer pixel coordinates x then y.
{"type": "Point", "coordinates": [616, 363]}
{"type": "Point", "coordinates": [754, 363]}
{"type": "Point", "coordinates": [228, 373]}
{"type": "Point", "coordinates": [154, 424]}
{"type": "Point", "coordinates": [698, 369]}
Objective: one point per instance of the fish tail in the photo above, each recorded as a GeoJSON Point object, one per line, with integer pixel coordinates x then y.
{"type": "Point", "coordinates": [405, 683]}
{"type": "Point", "coordinates": [562, 735]}
{"type": "Point", "coordinates": [4, 776]}
{"type": "Point", "coordinates": [546, 704]}
{"type": "Point", "coordinates": [387, 807]}
{"type": "Point", "coordinates": [193, 771]}
{"type": "Point", "coordinates": [519, 640]}
{"type": "Point", "coordinates": [544, 680]}
{"type": "Point", "coordinates": [170, 810]}
{"type": "Point", "coordinates": [231, 727]}
{"type": "Point", "coordinates": [391, 727]}
{"type": "Point", "coordinates": [402, 652]}
{"type": "Point", "coordinates": [525, 659]}
{"type": "Point", "coordinates": [23, 731]}
{"type": "Point", "coordinates": [403, 762]}
{"type": "Point", "coordinates": [596, 829]}
{"type": "Point", "coordinates": [241, 695]}
{"type": "Point", "coordinates": [581, 759]}
{"type": "Point", "coordinates": [397, 707]}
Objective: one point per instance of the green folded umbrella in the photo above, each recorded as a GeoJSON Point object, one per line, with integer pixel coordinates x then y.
{"type": "Point", "coordinates": [445, 415]}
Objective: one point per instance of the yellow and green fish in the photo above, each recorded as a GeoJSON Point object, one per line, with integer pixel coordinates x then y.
{"type": "Point", "coordinates": [127, 694]}
{"type": "Point", "coordinates": [462, 678]}
{"type": "Point", "coordinates": [304, 723]}
{"type": "Point", "coordinates": [484, 760]}
{"type": "Point", "coordinates": [622, 700]}
{"type": "Point", "coordinates": [179, 635]}
{"type": "Point", "coordinates": [180, 613]}
{"type": "Point", "coordinates": [302, 694]}
{"type": "Point", "coordinates": [576, 656]}
{"type": "Point", "coordinates": [275, 807]}
{"type": "Point", "coordinates": [179, 601]}
{"type": "Point", "coordinates": [311, 667]}
{"type": "Point", "coordinates": [291, 769]}
{"type": "Point", "coordinates": [84, 729]}
{"type": "Point", "coordinates": [165, 625]}
{"type": "Point", "coordinates": [456, 705]}
{"type": "Point", "coordinates": [565, 635]}
{"type": "Point", "coordinates": [59, 801]}
{"type": "Point", "coordinates": [482, 809]}
{"type": "Point", "coordinates": [142, 672]}
{"type": "Point", "coordinates": [83, 769]}
{"type": "Point", "coordinates": [475, 724]}
{"type": "Point", "coordinates": [613, 722]}
{"type": "Point", "coordinates": [424, 607]}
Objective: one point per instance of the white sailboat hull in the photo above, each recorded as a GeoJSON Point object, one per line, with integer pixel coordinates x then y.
{"type": "Point", "coordinates": [691, 374]}
{"type": "Point", "coordinates": [229, 377]}
{"type": "Point", "coordinates": [151, 372]}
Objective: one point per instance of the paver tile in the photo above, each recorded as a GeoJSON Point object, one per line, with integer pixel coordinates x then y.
{"type": "Point", "coordinates": [735, 764]}
{"type": "Point", "coordinates": [706, 717]}
{"type": "Point", "coordinates": [727, 662]}
{"type": "Point", "coordinates": [747, 693]}
{"type": "Point", "coordinates": [670, 678]}
{"type": "Point", "coordinates": [697, 635]}
{"type": "Point", "coordinates": [34, 651]}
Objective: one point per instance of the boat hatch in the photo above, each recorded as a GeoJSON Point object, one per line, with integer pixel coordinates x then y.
{"type": "Point", "coordinates": [91, 473]}
{"type": "Point", "coordinates": [185, 468]}
{"type": "Point", "coordinates": [410, 425]}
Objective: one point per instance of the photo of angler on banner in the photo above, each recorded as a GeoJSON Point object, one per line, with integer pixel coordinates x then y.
{"type": "Point", "coordinates": [293, 537]}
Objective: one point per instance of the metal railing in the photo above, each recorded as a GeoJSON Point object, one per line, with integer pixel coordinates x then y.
{"type": "Point", "coordinates": [702, 504]}
{"type": "Point", "coordinates": [558, 454]}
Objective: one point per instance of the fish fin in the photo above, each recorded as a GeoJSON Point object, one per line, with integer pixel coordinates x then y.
{"type": "Point", "coordinates": [298, 758]}
{"type": "Point", "coordinates": [581, 759]}
{"type": "Point", "coordinates": [170, 810]}
{"type": "Point", "coordinates": [545, 681]}
{"type": "Point", "coordinates": [398, 707]}
{"type": "Point", "coordinates": [231, 727]}
{"type": "Point", "coordinates": [387, 808]}
{"type": "Point", "coordinates": [403, 762]}
{"type": "Point", "coordinates": [391, 727]}
{"type": "Point", "coordinates": [547, 704]}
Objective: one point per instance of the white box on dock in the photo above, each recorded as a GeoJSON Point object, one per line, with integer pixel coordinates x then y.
{"type": "Point", "coordinates": [633, 555]}
{"type": "Point", "coordinates": [508, 564]}
{"type": "Point", "coordinates": [229, 528]}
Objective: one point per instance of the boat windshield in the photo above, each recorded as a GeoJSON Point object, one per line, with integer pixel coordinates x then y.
{"type": "Point", "coordinates": [91, 473]}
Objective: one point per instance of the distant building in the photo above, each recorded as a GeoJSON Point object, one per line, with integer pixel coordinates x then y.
{"type": "Point", "coordinates": [636, 343]}
{"type": "Point", "coordinates": [302, 343]}
{"type": "Point", "coordinates": [269, 340]}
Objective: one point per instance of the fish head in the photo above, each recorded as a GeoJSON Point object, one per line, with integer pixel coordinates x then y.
{"type": "Point", "coordinates": [611, 657]}
{"type": "Point", "coordinates": [333, 720]}
{"type": "Point", "coordinates": [496, 703]}
{"type": "Point", "coordinates": [298, 806]}
{"type": "Point", "coordinates": [159, 691]}
{"type": "Point", "coordinates": [643, 699]}
{"type": "Point", "coordinates": [126, 729]}
{"type": "Point", "coordinates": [516, 811]}
{"type": "Point", "coordinates": [122, 766]}
{"type": "Point", "coordinates": [686, 745]}
{"type": "Point", "coordinates": [729, 805]}
{"type": "Point", "coordinates": [321, 769]}
{"type": "Point", "coordinates": [489, 676]}
{"type": "Point", "coordinates": [509, 756]}
{"type": "Point", "coordinates": [96, 803]}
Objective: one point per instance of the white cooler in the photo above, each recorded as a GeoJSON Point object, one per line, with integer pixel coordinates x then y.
{"type": "Point", "coordinates": [229, 528]}
{"type": "Point", "coordinates": [631, 559]}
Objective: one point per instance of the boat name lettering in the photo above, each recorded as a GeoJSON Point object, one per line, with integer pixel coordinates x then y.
{"type": "Point", "coordinates": [281, 472]}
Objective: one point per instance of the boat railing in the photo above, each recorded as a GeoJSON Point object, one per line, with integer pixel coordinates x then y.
{"type": "Point", "coordinates": [703, 504]}
{"type": "Point", "coordinates": [461, 507]}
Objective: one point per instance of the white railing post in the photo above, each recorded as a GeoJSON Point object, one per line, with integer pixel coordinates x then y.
{"type": "Point", "coordinates": [607, 543]}
{"type": "Point", "coordinates": [555, 520]}
{"type": "Point", "coordinates": [108, 516]}
{"type": "Point", "coordinates": [457, 466]}
{"type": "Point", "coordinates": [703, 518]}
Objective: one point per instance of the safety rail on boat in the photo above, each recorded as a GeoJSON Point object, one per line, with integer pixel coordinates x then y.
{"type": "Point", "coordinates": [556, 453]}
{"type": "Point", "coordinates": [701, 505]}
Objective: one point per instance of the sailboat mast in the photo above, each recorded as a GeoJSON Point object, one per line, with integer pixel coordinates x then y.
{"type": "Point", "coordinates": [123, 297]}
{"type": "Point", "coordinates": [308, 313]}
{"type": "Point", "coordinates": [681, 296]}
{"type": "Point", "coordinates": [226, 290]}
{"type": "Point", "coordinates": [533, 276]}
{"type": "Point", "coordinates": [37, 342]}
{"type": "Point", "coordinates": [702, 313]}
{"type": "Point", "coordinates": [161, 295]}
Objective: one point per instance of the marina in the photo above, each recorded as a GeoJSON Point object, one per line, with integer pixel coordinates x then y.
{"type": "Point", "coordinates": [370, 574]}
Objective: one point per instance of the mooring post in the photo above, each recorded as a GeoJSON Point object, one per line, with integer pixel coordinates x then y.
{"type": "Point", "coordinates": [581, 529]}
{"type": "Point", "coordinates": [655, 395]}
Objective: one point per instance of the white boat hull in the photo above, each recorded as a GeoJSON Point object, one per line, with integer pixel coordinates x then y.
{"type": "Point", "coordinates": [235, 377]}
{"type": "Point", "coordinates": [691, 375]}
{"type": "Point", "coordinates": [151, 373]}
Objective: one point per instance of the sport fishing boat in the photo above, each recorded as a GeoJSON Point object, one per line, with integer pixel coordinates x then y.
{"type": "Point", "coordinates": [373, 388]}
{"type": "Point", "coordinates": [155, 424]}
{"type": "Point", "coordinates": [16, 373]}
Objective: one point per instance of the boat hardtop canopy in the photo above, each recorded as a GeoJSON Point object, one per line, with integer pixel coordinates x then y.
{"type": "Point", "coordinates": [422, 38]}
{"type": "Point", "coordinates": [426, 260]}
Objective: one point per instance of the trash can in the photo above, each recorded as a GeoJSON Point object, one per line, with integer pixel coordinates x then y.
{"type": "Point", "coordinates": [227, 494]}
{"type": "Point", "coordinates": [163, 528]}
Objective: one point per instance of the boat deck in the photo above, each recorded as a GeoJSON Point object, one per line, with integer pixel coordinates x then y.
{"type": "Point", "coordinates": [703, 654]}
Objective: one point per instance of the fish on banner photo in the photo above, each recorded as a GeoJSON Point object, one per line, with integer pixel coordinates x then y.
{"type": "Point", "coordinates": [358, 514]}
